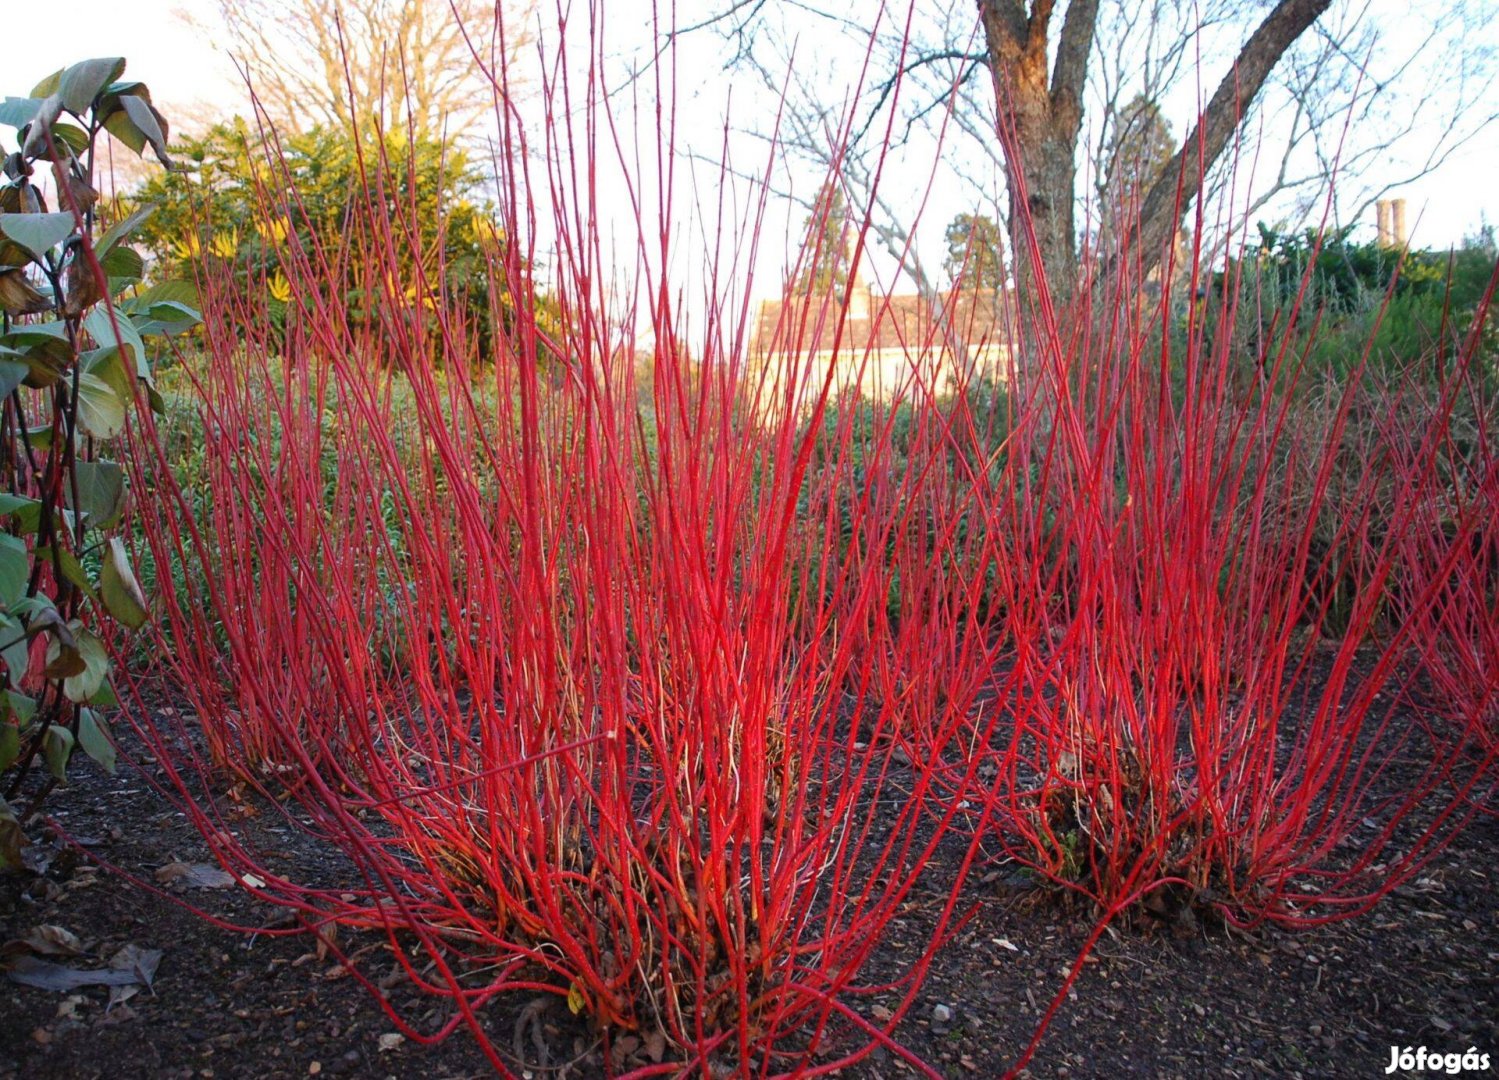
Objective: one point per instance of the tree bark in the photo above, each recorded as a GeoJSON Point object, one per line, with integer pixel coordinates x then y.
{"type": "Point", "coordinates": [1160, 213]}
{"type": "Point", "coordinates": [1040, 119]}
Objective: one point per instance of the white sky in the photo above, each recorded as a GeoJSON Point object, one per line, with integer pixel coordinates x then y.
{"type": "Point", "coordinates": [190, 77]}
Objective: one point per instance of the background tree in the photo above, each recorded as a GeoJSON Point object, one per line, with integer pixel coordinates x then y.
{"type": "Point", "coordinates": [1136, 157]}
{"type": "Point", "coordinates": [1041, 112]}
{"type": "Point", "coordinates": [337, 62]}
{"type": "Point", "coordinates": [826, 251]}
{"type": "Point", "coordinates": [219, 204]}
{"type": "Point", "coordinates": [975, 254]}
{"type": "Point", "coordinates": [1324, 86]}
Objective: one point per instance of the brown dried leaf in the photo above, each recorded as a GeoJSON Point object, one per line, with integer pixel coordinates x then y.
{"type": "Point", "coordinates": [195, 875]}
{"type": "Point", "coordinates": [18, 297]}
{"type": "Point", "coordinates": [49, 940]}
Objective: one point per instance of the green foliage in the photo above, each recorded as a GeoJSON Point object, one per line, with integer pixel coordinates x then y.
{"type": "Point", "coordinates": [1139, 151]}
{"type": "Point", "coordinates": [826, 247]}
{"type": "Point", "coordinates": [975, 253]}
{"type": "Point", "coordinates": [1405, 309]}
{"type": "Point", "coordinates": [1383, 324]}
{"type": "Point", "coordinates": [226, 205]}
{"type": "Point", "coordinates": [1140, 148]}
{"type": "Point", "coordinates": [73, 324]}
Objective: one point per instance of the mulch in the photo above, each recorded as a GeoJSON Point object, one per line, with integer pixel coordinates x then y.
{"type": "Point", "coordinates": [1174, 1000]}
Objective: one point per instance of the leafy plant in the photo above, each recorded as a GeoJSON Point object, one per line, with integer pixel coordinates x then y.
{"type": "Point", "coordinates": [221, 212]}
{"type": "Point", "coordinates": [72, 357]}
{"type": "Point", "coordinates": [1341, 301]}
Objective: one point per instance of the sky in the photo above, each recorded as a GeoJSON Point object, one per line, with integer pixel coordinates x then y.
{"type": "Point", "coordinates": [190, 76]}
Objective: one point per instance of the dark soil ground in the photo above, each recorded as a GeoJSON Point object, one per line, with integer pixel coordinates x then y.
{"type": "Point", "coordinates": [1422, 969]}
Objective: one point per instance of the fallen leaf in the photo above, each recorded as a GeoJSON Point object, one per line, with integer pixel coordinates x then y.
{"type": "Point", "coordinates": [195, 875]}
{"type": "Point", "coordinates": [51, 940]}
{"type": "Point", "coordinates": [138, 961]}
{"type": "Point", "coordinates": [45, 975]}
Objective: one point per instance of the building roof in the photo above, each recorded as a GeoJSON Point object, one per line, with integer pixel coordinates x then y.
{"type": "Point", "coordinates": [804, 323]}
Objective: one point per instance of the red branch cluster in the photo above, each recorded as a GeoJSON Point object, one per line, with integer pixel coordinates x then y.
{"type": "Point", "coordinates": [664, 695]}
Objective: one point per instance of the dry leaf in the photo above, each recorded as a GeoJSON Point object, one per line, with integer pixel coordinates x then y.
{"type": "Point", "coordinates": [52, 941]}
{"type": "Point", "coordinates": [18, 297]}
{"type": "Point", "coordinates": [195, 875]}
{"type": "Point", "coordinates": [44, 975]}
{"type": "Point", "coordinates": [138, 961]}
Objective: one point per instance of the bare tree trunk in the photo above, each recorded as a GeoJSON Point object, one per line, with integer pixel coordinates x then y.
{"type": "Point", "coordinates": [1040, 118]}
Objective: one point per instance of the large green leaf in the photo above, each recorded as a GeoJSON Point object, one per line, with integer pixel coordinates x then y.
{"type": "Point", "coordinates": [150, 123]}
{"type": "Point", "coordinates": [82, 82]}
{"type": "Point", "coordinates": [48, 86]}
{"type": "Point", "coordinates": [15, 648]}
{"type": "Point", "coordinates": [70, 568]}
{"type": "Point", "coordinates": [123, 265]}
{"type": "Point", "coordinates": [25, 513]}
{"type": "Point", "coordinates": [9, 503]}
{"type": "Point", "coordinates": [123, 128]}
{"type": "Point", "coordinates": [57, 745]}
{"type": "Point", "coordinates": [93, 736]}
{"type": "Point", "coordinates": [170, 311]}
{"type": "Point", "coordinates": [104, 393]}
{"type": "Point", "coordinates": [178, 292]}
{"type": "Point", "coordinates": [15, 569]}
{"type": "Point", "coordinates": [37, 233]}
{"type": "Point", "coordinates": [43, 347]}
{"type": "Point", "coordinates": [101, 411]}
{"type": "Point", "coordinates": [19, 706]}
{"type": "Point", "coordinates": [101, 492]}
{"type": "Point", "coordinates": [108, 365]}
{"type": "Point", "coordinates": [166, 320]}
{"type": "Point", "coordinates": [168, 307]}
{"type": "Point", "coordinates": [70, 135]}
{"type": "Point", "coordinates": [17, 112]}
{"type": "Point", "coordinates": [95, 656]}
{"type": "Point", "coordinates": [98, 323]}
{"type": "Point", "coordinates": [11, 374]}
{"type": "Point", "coordinates": [129, 86]}
{"type": "Point", "coordinates": [123, 228]}
{"type": "Point", "coordinates": [117, 120]}
{"type": "Point", "coordinates": [122, 594]}
{"type": "Point", "coordinates": [21, 336]}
